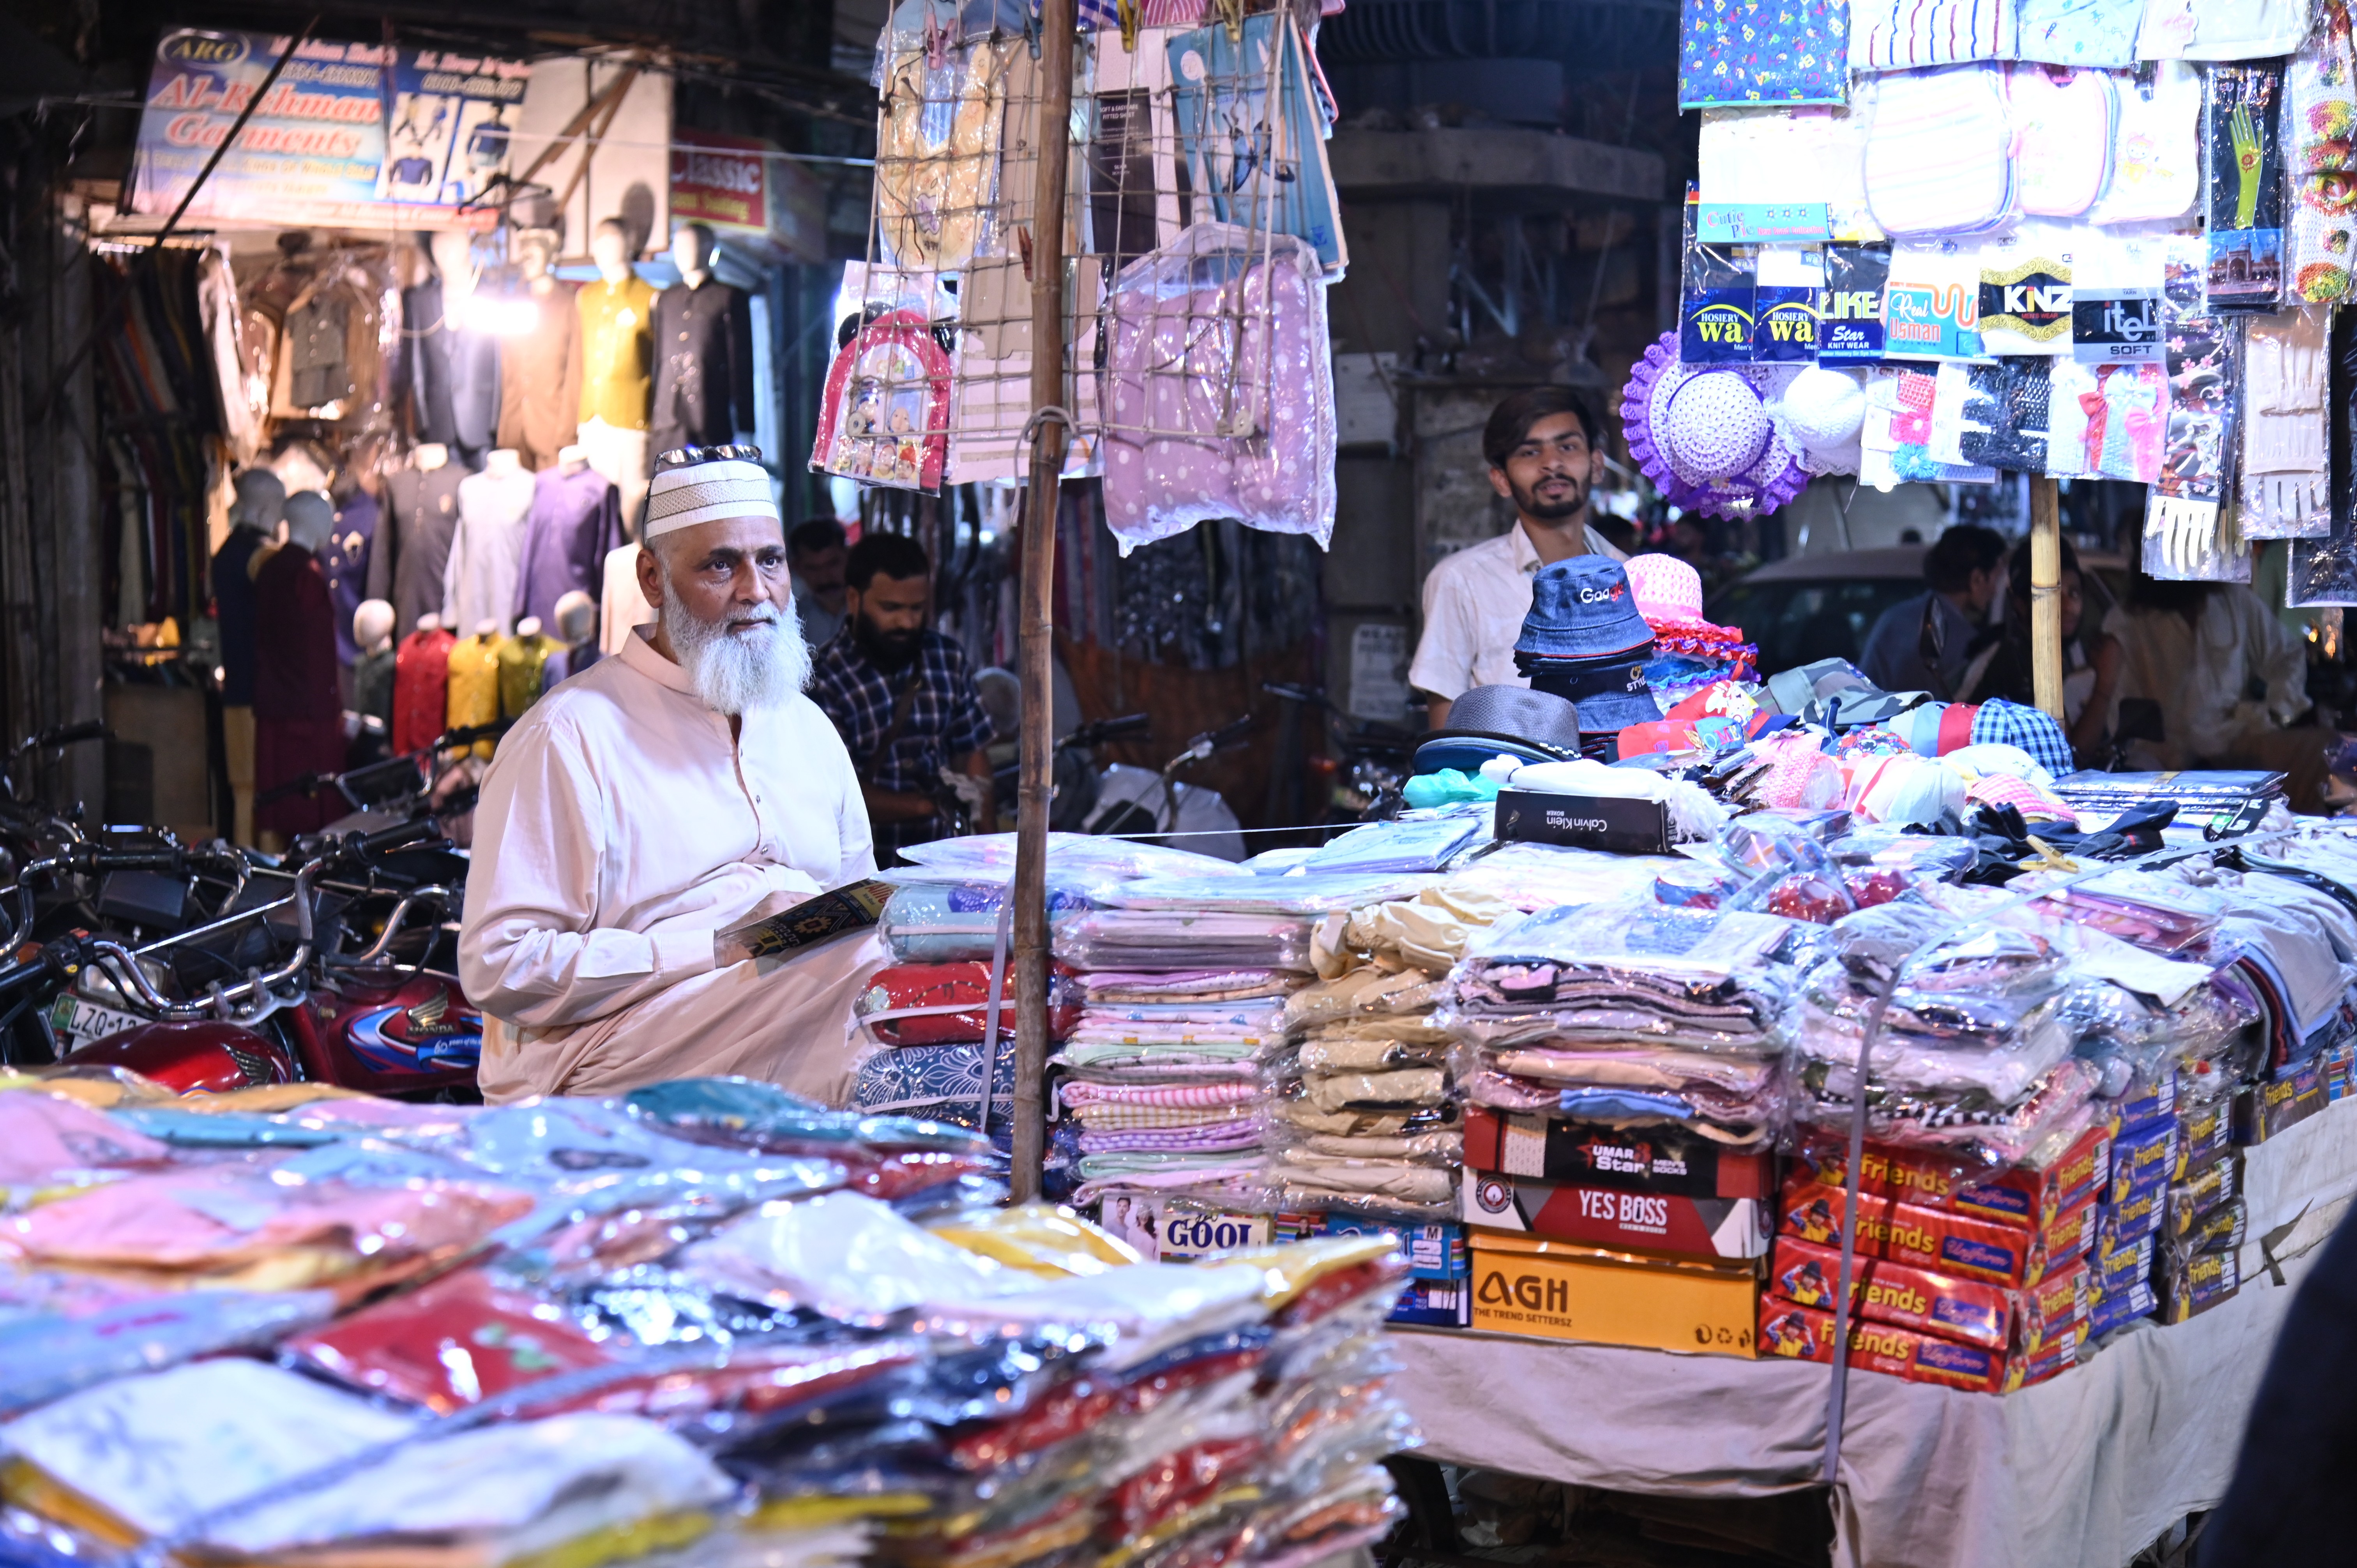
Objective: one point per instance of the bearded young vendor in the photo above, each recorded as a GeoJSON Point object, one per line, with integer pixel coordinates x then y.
{"type": "Point", "coordinates": [1545, 454]}
{"type": "Point", "coordinates": [647, 807]}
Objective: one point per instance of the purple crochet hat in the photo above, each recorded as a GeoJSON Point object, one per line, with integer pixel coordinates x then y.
{"type": "Point", "coordinates": [1703, 434]}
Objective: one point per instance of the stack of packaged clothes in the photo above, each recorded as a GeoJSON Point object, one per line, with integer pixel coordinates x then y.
{"type": "Point", "coordinates": [1631, 1014]}
{"type": "Point", "coordinates": [705, 1324]}
{"type": "Point", "coordinates": [1366, 1116]}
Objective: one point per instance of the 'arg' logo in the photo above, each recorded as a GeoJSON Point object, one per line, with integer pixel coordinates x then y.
{"type": "Point", "coordinates": [194, 45]}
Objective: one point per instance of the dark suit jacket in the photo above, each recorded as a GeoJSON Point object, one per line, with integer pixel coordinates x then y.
{"type": "Point", "coordinates": [454, 377]}
{"type": "Point", "coordinates": [703, 366]}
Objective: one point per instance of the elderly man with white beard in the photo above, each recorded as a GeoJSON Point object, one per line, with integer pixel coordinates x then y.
{"type": "Point", "coordinates": [651, 805]}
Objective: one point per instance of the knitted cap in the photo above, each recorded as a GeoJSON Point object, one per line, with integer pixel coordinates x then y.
{"type": "Point", "coordinates": [1668, 591]}
{"type": "Point", "coordinates": [686, 491]}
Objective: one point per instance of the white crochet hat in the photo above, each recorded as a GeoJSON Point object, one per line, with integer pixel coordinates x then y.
{"type": "Point", "coordinates": [690, 488]}
{"type": "Point", "coordinates": [1822, 416]}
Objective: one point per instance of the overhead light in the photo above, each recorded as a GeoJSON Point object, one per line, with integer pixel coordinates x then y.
{"type": "Point", "coordinates": [499, 315]}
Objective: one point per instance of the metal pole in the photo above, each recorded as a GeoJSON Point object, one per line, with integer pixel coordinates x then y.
{"type": "Point", "coordinates": [2045, 596]}
{"type": "Point", "coordinates": [1050, 434]}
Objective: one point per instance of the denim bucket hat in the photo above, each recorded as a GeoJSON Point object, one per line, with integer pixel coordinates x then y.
{"type": "Point", "coordinates": [1582, 608]}
{"type": "Point", "coordinates": [1609, 693]}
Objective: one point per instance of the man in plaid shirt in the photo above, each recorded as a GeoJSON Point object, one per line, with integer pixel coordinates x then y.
{"type": "Point", "coordinates": [903, 697]}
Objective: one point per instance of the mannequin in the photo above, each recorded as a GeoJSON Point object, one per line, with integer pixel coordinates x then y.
{"type": "Point", "coordinates": [574, 628]}
{"type": "Point", "coordinates": [575, 519]}
{"type": "Point", "coordinates": [540, 368]}
{"type": "Point", "coordinates": [617, 367]}
{"type": "Point", "coordinates": [453, 369]}
{"type": "Point", "coordinates": [259, 507]}
{"type": "Point", "coordinates": [346, 562]}
{"type": "Point", "coordinates": [524, 663]}
{"type": "Point", "coordinates": [411, 548]}
{"type": "Point", "coordinates": [374, 669]}
{"type": "Point", "coordinates": [475, 681]}
{"type": "Point", "coordinates": [298, 712]}
{"type": "Point", "coordinates": [704, 353]}
{"type": "Point", "coordinates": [487, 555]}
{"type": "Point", "coordinates": [421, 685]}
{"type": "Point", "coordinates": [624, 603]}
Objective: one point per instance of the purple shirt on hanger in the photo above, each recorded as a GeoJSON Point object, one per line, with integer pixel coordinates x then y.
{"type": "Point", "coordinates": [575, 519]}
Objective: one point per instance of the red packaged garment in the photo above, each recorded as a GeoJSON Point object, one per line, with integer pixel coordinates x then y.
{"type": "Point", "coordinates": [421, 689]}
{"type": "Point", "coordinates": [948, 1003]}
{"type": "Point", "coordinates": [459, 1340]}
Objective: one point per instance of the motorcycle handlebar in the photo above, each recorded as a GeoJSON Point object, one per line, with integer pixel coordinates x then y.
{"type": "Point", "coordinates": [66, 735]}
{"type": "Point", "coordinates": [401, 835]}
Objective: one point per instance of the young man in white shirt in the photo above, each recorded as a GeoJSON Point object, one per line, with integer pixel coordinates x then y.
{"type": "Point", "coordinates": [1546, 453]}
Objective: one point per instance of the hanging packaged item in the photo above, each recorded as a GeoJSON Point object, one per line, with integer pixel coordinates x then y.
{"type": "Point", "coordinates": [2107, 421]}
{"type": "Point", "coordinates": [1793, 52]}
{"type": "Point", "coordinates": [1718, 298]}
{"type": "Point", "coordinates": [1940, 160]}
{"type": "Point", "coordinates": [2207, 29]}
{"type": "Point", "coordinates": [1931, 304]}
{"type": "Point", "coordinates": [1786, 305]}
{"type": "Point", "coordinates": [1220, 389]}
{"type": "Point", "coordinates": [1992, 415]}
{"type": "Point", "coordinates": [2319, 115]}
{"type": "Point", "coordinates": [2026, 291]}
{"type": "Point", "coordinates": [1785, 174]}
{"type": "Point", "coordinates": [1896, 443]}
{"type": "Point", "coordinates": [2185, 534]}
{"type": "Point", "coordinates": [2157, 146]}
{"type": "Point", "coordinates": [2285, 487]}
{"type": "Point", "coordinates": [2065, 121]}
{"type": "Point", "coordinates": [2244, 175]}
{"type": "Point", "coordinates": [885, 414]}
{"type": "Point", "coordinates": [937, 152]}
{"type": "Point", "coordinates": [2078, 32]}
{"type": "Point", "coordinates": [1900, 34]}
{"type": "Point", "coordinates": [2323, 572]}
{"type": "Point", "coordinates": [1252, 138]}
{"type": "Point", "coordinates": [2115, 316]}
{"type": "Point", "coordinates": [1849, 306]}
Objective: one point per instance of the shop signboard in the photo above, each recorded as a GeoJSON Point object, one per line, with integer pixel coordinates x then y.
{"type": "Point", "coordinates": [350, 134]}
{"type": "Point", "coordinates": [749, 194]}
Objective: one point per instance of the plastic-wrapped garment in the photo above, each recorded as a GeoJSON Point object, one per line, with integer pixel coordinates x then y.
{"type": "Point", "coordinates": [1940, 160]}
{"type": "Point", "coordinates": [1535, 875]}
{"type": "Point", "coordinates": [948, 1003]}
{"type": "Point", "coordinates": [1339, 1178]}
{"type": "Point", "coordinates": [1878, 865]}
{"type": "Point", "coordinates": [937, 155]}
{"type": "Point", "coordinates": [49, 1146]}
{"type": "Point", "coordinates": [47, 1354]}
{"type": "Point", "coordinates": [1188, 985]}
{"type": "Point", "coordinates": [2079, 32]}
{"type": "Point", "coordinates": [1179, 939]}
{"type": "Point", "coordinates": [943, 922]}
{"type": "Point", "coordinates": [2320, 92]}
{"type": "Point", "coordinates": [2209, 29]}
{"type": "Point", "coordinates": [2061, 1104]}
{"type": "Point", "coordinates": [1897, 34]}
{"type": "Point", "coordinates": [1073, 858]}
{"type": "Point", "coordinates": [1786, 871]}
{"type": "Point", "coordinates": [942, 1083]}
{"type": "Point", "coordinates": [1792, 53]}
{"type": "Point", "coordinates": [2153, 910]}
{"type": "Point", "coordinates": [2242, 130]}
{"type": "Point", "coordinates": [1361, 992]}
{"type": "Point", "coordinates": [847, 1257]}
{"type": "Point", "coordinates": [1220, 389]}
{"type": "Point", "coordinates": [2285, 475]}
{"type": "Point", "coordinates": [1311, 893]}
{"type": "Point", "coordinates": [2065, 120]}
{"type": "Point", "coordinates": [1429, 932]}
{"type": "Point", "coordinates": [2157, 155]}
{"type": "Point", "coordinates": [1373, 1045]}
{"type": "Point", "coordinates": [461, 1340]}
{"type": "Point", "coordinates": [750, 1114]}
{"type": "Point", "coordinates": [1396, 846]}
{"type": "Point", "coordinates": [2183, 536]}
{"type": "Point", "coordinates": [1994, 1049]}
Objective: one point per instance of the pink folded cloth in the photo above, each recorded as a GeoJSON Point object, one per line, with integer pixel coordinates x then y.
{"type": "Point", "coordinates": [45, 1139]}
{"type": "Point", "coordinates": [1195, 1094]}
{"type": "Point", "coordinates": [1245, 1135]}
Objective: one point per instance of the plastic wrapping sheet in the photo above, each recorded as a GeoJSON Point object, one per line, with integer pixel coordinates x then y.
{"type": "Point", "coordinates": [1309, 893]}
{"type": "Point", "coordinates": [1072, 858]}
{"type": "Point", "coordinates": [1182, 940]}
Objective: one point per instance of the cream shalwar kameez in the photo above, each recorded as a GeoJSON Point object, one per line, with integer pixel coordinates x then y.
{"type": "Point", "coordinates": [621, 826]}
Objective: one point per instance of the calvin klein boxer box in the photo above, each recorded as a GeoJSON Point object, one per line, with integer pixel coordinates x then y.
{"type": "Point", "coordinates": [1974, 1311]}
{"type": "Point", "coordinates": [1944, 1242]}
{"type": "Point", "coordinates": [2021, 1196]}
{"type": "Point", "coordinates": [1584, 821]}
{"type": "Point", "coordinates": [1557, 1290]}
{"type": "Point", "coordinates": [1806, 1334]}
{"type": "Point", "coordinates": [1728, 1228]}
{"type": "Point", "coordinates": [1662, 1160]}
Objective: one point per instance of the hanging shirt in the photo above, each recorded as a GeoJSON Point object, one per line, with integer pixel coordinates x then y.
{"type": "Point", "coordinates": [373, 675]}
{"type": "Point", "coordinates": [575, 519]}
{"type": "Point", "coordinates": [453, 375]}
{"type": "Point", "coordinates": [294, 639]}
{"type": "Point", "coordinates": [421, 689]}
{"type": "Point", "coordinates": [412, 545]}
{"type": "Point", "coordinates": [622, 826]}
{"type": "Point", "coordinates": [479, 583]}
{"type": "Point", "coordinates": [617, 352]}
{"type": "Point", "coordinates": [1474, 605]}
{"type": "Point", "coordinates": [522, 662]}
{"type": "Point", "coordinates": [540, 379]}
{"type": "Point", "coordinates": [703, 366]}
{"type": "Point", "coordinates": [474, 685]}
{"type": "Point", "coordinates": [233, 613]}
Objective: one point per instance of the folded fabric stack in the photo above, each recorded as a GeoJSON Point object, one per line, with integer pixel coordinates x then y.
{"type": "Point", "coordinates": [1367, 1116]}
{"type": "Point", "coordinates": [1630, 1015]}
{"type": "Point", "coordinates": [702, 1325]}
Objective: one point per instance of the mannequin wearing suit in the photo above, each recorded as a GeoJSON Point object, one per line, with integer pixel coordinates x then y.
{"type": "Point", "coordinates": [540, 375]}
{"type": "Point", "coordinates": [454, 370]}
{"type": "Point", "coordinates": [703, 353]}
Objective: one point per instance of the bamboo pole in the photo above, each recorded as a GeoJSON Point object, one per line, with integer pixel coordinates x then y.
{"type": "Point", "coordinates": [1051, 436]}
{"type": "Point", "coordinates": [2045, 596]}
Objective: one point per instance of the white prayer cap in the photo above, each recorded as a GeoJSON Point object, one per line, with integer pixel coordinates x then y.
{"type": "Point", "coordinates": [702, 483]}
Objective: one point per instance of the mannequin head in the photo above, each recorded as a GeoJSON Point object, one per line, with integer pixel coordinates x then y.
{"type": "Point", "coordinates": [535, 252]}
{"type": "Point", "coordinates": [260, 500]}
{"type": "Point", "coordinates": [310, 520]}
{"type": "Point", "coordinates": [691, 252]}
{"type": "Point", "coordinates": [430, 621]}
{"type": "Point", "coordinates": [576, 617]}
{"type": "Point", "coordinates": [609, 247]}
{"type": "Point", "coordinates": [453, 259]}
{"type": "Point", "coordinates": [429, 456]}
{"type": "Point", "coordinates": [505, 461]}
{"type": "Point", "coordinates": [528, 628]}
{"type": "Point", "coordinates": [372, 625]}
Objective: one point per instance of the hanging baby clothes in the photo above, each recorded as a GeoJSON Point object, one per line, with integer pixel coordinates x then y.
{"type": "Point", "coordinates": [2285, 475]}
{"type": "Point", "coordinates": [412, 544]}
{"type": "Point", "coordinates": [1940, 160]}
{"type": "Point", "coordinates": [2079, 32]}
{"type": "Point", "coordinates": [2156, 146]}
{"type": "Point", "coordinates": [487, 555]}
{"type": "Point", "coordinates": [2221, 29]}
{"type": "Point", "coordinates": [1900, 34]}
{"type": "Point", "coordinates": [2065, 120]}
{"type": "Point", "coordinates": [421, 689]}
{"type": "Point", "coordinates": [1790, 51]}
{"type": "Point", "coordinates": [346, 562]}
{"type": "Point", "coordinates": [574, 520]}
{"type": "Point", "coordinates": [1220, 389]}
{"type": "Point", "coordinates": [474, 685]}
{"type": "Point", "coordinates": [2320, 113]}
{"type": "Point", "coordinates": [540, 379]}
{"type": "Point", "coordinates": [936, 153]}
{"type": "Point", "coordinates": [522, 662]}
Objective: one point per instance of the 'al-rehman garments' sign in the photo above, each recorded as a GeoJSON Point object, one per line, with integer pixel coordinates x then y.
{"type": "Point", "coordinates": [355, 135]}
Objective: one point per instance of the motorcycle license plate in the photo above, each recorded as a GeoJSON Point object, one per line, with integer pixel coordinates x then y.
{"type": "Point", "coordinates": [76, 1023]}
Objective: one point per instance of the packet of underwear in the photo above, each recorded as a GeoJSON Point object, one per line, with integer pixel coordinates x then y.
{"type": "Point", "coordinates": [1929, 1238]}
{"type": "Point", "coordinates": [2116, 1270]}
{"type": "Point", "coordinates": [2026, 291]}
{"type": "Point", "coordinates": [1994, 415]}
{"type": "Point", "coordinates": [2025, 1198]}
{"type": "Point", "coordinates": [2054, 1309]}
{"type": "Point", "coordinates": [2142, 1160]}
{"type": "Point", "coordinates": [2116, 1308]}
{"type": "Point", "coordinates": [1850, 308]}
{"type": "Point", "coordinates": [2193, 1283]}
{"type": "Point", "coordinates": [2243, 156]}
{"type": "Point", "coordinates": [2203, 1133]}
{"type": "Point", "coordinates": [2149, 1100]}
{"type": "Point", "coordinates": [1718, 300]}
{"type": "Point", "coordinates": [1809, 1274]}
{"type": "Point", "coordinates": [1806, 1334]}
{"type": "Point", "coordinates": [1785, 310]}
{"type": "Point", "coordinates": [2130, 1219]}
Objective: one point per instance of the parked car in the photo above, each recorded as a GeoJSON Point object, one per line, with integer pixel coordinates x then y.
{"type": "Point", "coordinates": [1820, 606]}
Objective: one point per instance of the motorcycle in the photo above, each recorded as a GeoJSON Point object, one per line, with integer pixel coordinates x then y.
{"type": "Point", "coordinates": [330, 990]}
{"type": "Point", "coordinates": [1371, 764]}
